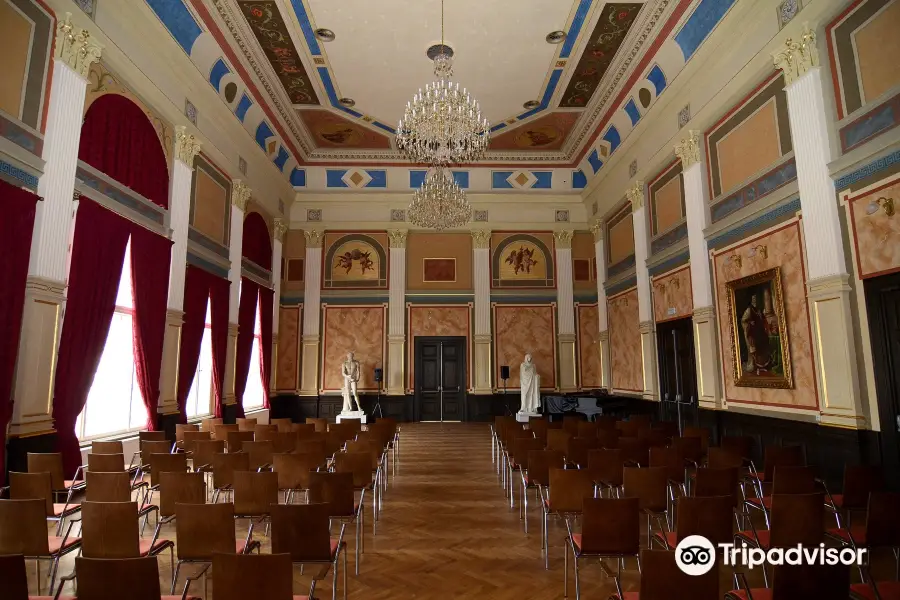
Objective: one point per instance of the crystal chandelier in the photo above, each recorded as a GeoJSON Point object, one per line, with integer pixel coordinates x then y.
{"type": "Point", "coordinates": [440, 203]}
{"type": "Point", "coordinates": [443, 125]}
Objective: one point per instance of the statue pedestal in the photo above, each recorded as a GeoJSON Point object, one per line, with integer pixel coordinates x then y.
{"type": "Point", "coordinates": [352, 414]}
{"type": "Point", "coordinates": [523, 417]}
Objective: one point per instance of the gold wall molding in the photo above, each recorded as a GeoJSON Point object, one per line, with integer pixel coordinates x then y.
{"type": "Point", "coordinates": [240, 194]}
{"type": "Point", "coordinates": [481, 238]}
{"type": "Point", "coordinates": [313, 237]}
{"type": "Point", "coordinates": [76, 47]}
{"type": "Point", "coordinates": [563, 238]}
{"type": "Point", "coordinates": [597, 228]}
{"type": "Point", "coordinates": [279, 228]}
{"type": "Point", "coordinates": [688, 149]}
{"type": "Point", "coordinates": [798, 56]}
{"type": "Point", "coordinates": [397, 238]}
{"type": "Point", "coordinates": [186, 146]}
{"type": "Point", "coordinates": [636, 195]}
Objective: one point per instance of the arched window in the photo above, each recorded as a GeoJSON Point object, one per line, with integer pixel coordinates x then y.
{"type": "Point", "coordinates": [200, 396]}
{"type": "Point", "coordinates": [255, 392]}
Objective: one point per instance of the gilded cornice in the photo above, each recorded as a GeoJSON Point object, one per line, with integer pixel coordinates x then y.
{"type": "Point", "coordinates": [688, 149]}
{"type": "Point", "coordinates": [397, 238]}
{"type": "Point", "coordinates": [186, 146]}
{"type": "Point", "coordinates": [636, 195]}
{"type": "Point", "coordinates": [279, 227]}
{"type": "Point", "coordinates": [481, 238]}
{"type": "Point", "coordinates": [313, 237]}
{"type": "Point", "coordinates": [76, 47]}
{"type": "Point", "coordinates": [563, 238]}
{"type": "Point", "coordinates": [240, 194]}
{"type": "Point", "coordinates": [797, 57]}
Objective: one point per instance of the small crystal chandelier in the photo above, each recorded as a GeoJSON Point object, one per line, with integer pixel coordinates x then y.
{"type": "Point", "coordinates": [440, 203]}
{"type": "Point", "coordinates": [443, 125]}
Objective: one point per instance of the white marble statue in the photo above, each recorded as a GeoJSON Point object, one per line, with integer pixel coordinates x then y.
{"type": "Point", "coordinates": [350, 372]}
{"type": "Point", "coordinates": [531, 386]}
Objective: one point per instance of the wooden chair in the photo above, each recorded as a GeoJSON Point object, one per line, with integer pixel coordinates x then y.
{"type": "Point", "coordinates": [265, 576]}
{"type": "Point", "coordinates": [649, 485]}
{"type": "Point", "coordinates": [609, 438]}
{"type": "Point", "coordinates": [152, 436]}
{"type": "Point", "coordinates": [221, 430]}
{"type": "Point", "coordinates": [315, 447]}
{"type": "Point", "coordinates": [209, 424]}
{"type": "Point", "coordinates": [245, 424]}
{"type": "Point", "coordinates": [536, 475]}
{"type": "Point", "coordinates": [106, 463]}
{"type": "Point", "coordinates": [112, 447]}
{"type": "Point", "coordinates": [51, 462]}
{"type": "Point", "coordinates": [320, 424]}
{"type": "Point", "coordinates": [635, 451]}
{"type": "Point", "coordinates": [785, 480]}
{"type": "Point", "coordinates": [181, 428]}
{"type": "Point", "coordinates": [260, 454]}
{"type": "Point", "coordinates": [568, 489]}
{"type": "Point", "coordinates": [284, 441]}
{"type": "Point", "coordinates": [254, 493]}
{"type": "Point", "coordinates": [223, 468]}
{"type": "Point", "coordinates": [150, 447]}
{"type": "Point", "coordinates": [283, 424]}
{"type": "Point", "coordinates": [336, 490]}
{"type": "Point", "coordinates": [23, 530]}
{"type": "Point", "coordinates": [110, 530]}
{"type": "Point", "coordinates": [710, 517]}
{"type": "Point", "coordinates": [610, 528]}
{"type": "Point", "coordinates": [165, 463]}
{"type": "Point", "coordinates": [662, 579]}
{"type": "Point", "coordinates": [203, 530]}
{"type": "Point", "coordinates": [303, 430]}
{"type": "Point", "coordinates": [859, 482]}
{"type": "Point", "coordinates": [118, 487]}
{"type": "Point", "coordinates": [204, 451]}
{"type": "Point", "coordinates": [293, 472]}
{"type": "Point", "coordinates": [234, 440]}
{"type": "Point", "coordinates": [303, 532]}
{"type": "Point", "coordinates": [606, 467]}
{"type": "Point", "coordinates": [880, 531]}
{"type": "Point", "coordinates": [792, 582]}
{"type": "Point", "coordinates": [37, 486]}
{"type": "Point", "coordinates": [360, 467]}
{"type": "Point", "coordinates": [265, 433]}
{"type": "Point", "coordinates": [557, 439]}
{"type": "Point", "coordinates": [178, 488]}
{"type": "Point", "coordinates": [14, 578]}
{"type": "Point", "coordinates": [701, 433]}
{"type": "Point", "coordinates": [117, 578]}
{"type": "Point", "coordinates": [521, 448]}
{"type": "Point", "coordinates": [190, 439]}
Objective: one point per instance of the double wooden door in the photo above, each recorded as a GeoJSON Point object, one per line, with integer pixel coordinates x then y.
{"type": "Point", "coordinates": [677, 363]}
{"type": "Point", "coordinates": [440, 378]}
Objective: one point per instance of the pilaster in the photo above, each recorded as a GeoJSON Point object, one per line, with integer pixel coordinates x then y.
{"type": "Point", "coordinates": [312, 310]}
{"type": "Point", "coordinates": [168, 377]}
{"type": "Point", "coordinates": [605, 365]}
{"type": "Point", "coordinates": [827, 273]}
{"type": "Point", "coordinates": [229, 396]}
{"type": "Point", "coordinates": [648, 359]}
{"type": "Point", "coordinates": [598, 228]}
{"type": "Point", "coordinates": [706, 351]}
{"type": "Point", "coordinates": [280, 227]}
{"type": "Point", "coordinates": [74, 52]}
{"type": "Point", "coordinates": [397, 313]}
{"type": "Point", "coordinates": [565, 303]}
{"type": "Point", "coordinates": [645, 313]}
{"type": "Point", "coordinates": [483, 357]}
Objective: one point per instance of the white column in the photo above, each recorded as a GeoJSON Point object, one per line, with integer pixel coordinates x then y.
{"type": "Point", "coordinates": [645, 312]}
{"type": "Point", "coordinates": [565, 315]}
{"type": "Point", "coordinates": [706, 347]}
{"type": "Point", "coordinates": [598, 229]}
{"type": "Point", "coordinates": [75, 51]}
{"type": "Point", "coordinates": [828, 277]}
{"type": "Point", "coordinates": [240, 196]}
{"type": "Point", "coordinates": [280, 227]}
{"type": "Point", "coordinates": [186, 148]}
{"type": "Point", "coordinates": [396, 314]}
{"type": "Point", "coordinates": [312, 277]}
{"type": "Point", "coordinates": [481, 271]}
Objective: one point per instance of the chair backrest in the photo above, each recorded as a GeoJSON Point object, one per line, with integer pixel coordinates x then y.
{"type": "Point", "coordinates": [293, 469]}
{"type": "Point", "coordinates": [106, 463]}
{"type": "Point", "coordinates": [162, 463]}
{"type": "Point", "coordinates": [671, 459]}
{"type": "Point", "coordinates": [723, 458]}
{"type": "Point", "coordinates": [709, 516]}
{"type": "Point", "coordinates": [654, 438]}
{"type": "Point", "coordinates": [48, 462]}
{"type": "Point", "coordinates": [631, 428]}
{"type": "Point", "coordinates": [112, 447]}
{"type": "Point", "coordinates": [152, 436]}
{"type": "Point", "coordinates": [320, 424]}
{"type": "Point", "coordinates": [242, 576]}
{"type": "Point", "coordinates": [221, 430]}
{"type": "Point", "coordinates": [265, 433]}
{"type": "Point", "coordinates": [557, 439]}
{"type": "Point", "coordinates": [606, 465]}
{"type": "Point", "coordinates": [116, 578]}
{"type": "Point", "coordinates": [539, 428]}
{"type": "Point", "coordinates": [822, 582]}
{"type": "Point", "coordinates": [282, 422]}
{"type": "Point", "coordinates": [883, 520]}
{"type": "Point", "coordinates": [586, 429]}
{"type": "Point", "coordinates": [303, 430]}
{"type": "Point", "coordinates": [344, 430]}
{"type": "Point", "coordinates": [859, 482]}
{"type": "Point", "coordinates": [661, 576]}
{"type": "Point", "coordinates": [234, 440]}
{"type": "Point", "coordinates": [205, 450]}
{"type": "Point", "coordinates": [569, 488]}
{"type": "Point", "coordinates": [32, 486]}
{"type": "Point", "coordinates": [605, 422]}
{"type": "Point", "coordinates": [782, 456]}
{"type": "Point", "coordinates": [315, 447]}
{"type": "Point", "coordinates": [260, 453]}
{"type": "Point", "coordinates": [245, 424]}
{"type": "Point", "coordinates": [741, 445]}
{"type": "Point", "coordinates": [577, 449]}
{"type": "Point", "coordinates": [335, 489]}
{"type": "Point", "coordinates": [649, 485]}
{"type": "Point", "coordinates": [570, 423]}
{"type": "Point", "coordinates": [13, 577]}
{"type": "Point", "coordinates": [181, 428]}
{"type": "Point", "coordinates": [370, 448]}
{"type": "Point", "coordinates": [107, 486]}
{"type": "Point", "coordinates": [611, 526]}
{"type": "Point", "coordinates": [204, 529]}
{"type": "Point", "coordinates": [190, 439]}
{"type": "Point", "coordinates": [635, 450]}
{"type": "Point", "coordinates": [302, 530]}
{"type": "Point", "coordinates": [23, 527]}
{"type": "Point", "coordinates": [691, 447]}
{"type": "Point", "coordinates": [224, 465]}
{"type": "Point", "coordinates": [210, 424]}
{"type": "Point", "coordinates": [697, 432]}
{"type": "Point", "coordinates": [793, 480]}
{"type": "Point", "coordinates": [284, 441]}
{"type": "Point", "coordinates": [179, 487]}
{"type": "Point", "coordinates": [522, 449]}
{"type": "Point", "coordinates": [717, 482]}
{"type": "Point", "coordinates": [797, 519]}
{"type": "Point", "coordinates": [254, 492]}
{"type": "Point", "coordinates": [609, 438]}
{"type": "Point", "coordinates": [359, 464]}
{"type": "Point", "coordinates": [110, 530]}
{"type": "Point", "coordinates": [540, 462]}
{"type": "Point", "coordinates": [151, 447]}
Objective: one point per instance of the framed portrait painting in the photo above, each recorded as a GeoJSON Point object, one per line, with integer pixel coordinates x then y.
{"type": "Point", "coordinates": [759, 337]}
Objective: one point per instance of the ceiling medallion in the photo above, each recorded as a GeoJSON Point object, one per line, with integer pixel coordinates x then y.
{"type": "Point", "coordinates": [531, 104]}
{"type": "Point", "coordinates": [326, 35]}
{"type": "Point", "coordinates": [440, 203]}
{"type": "Point", "coordinates": [348, 102]}
{"type": "Point", "coordinates": [556, 37]}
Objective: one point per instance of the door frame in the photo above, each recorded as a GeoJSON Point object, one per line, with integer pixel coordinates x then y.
{"type": "Point", "coordinates": [417, 357]}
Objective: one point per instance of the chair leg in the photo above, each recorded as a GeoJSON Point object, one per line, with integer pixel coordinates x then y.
{"type": "Point", "coordinates": [546, 543]}
{"type": "Point", "coordinates": [334, 569]}
{"type": "Point", "coordinates": [577, 583]}
{"type": "Point", "coordinates": [175, 576]}
{"type": "Point", "coordinates": [358, 548]}
{"type": "Point", "coordinates": [53, 568]}
{"type": "Point", "coordinates": [345, 573]}
{"type": "Point", "coordinates": [565, 569]}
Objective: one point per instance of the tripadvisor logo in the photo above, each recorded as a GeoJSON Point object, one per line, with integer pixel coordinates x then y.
{"type": "Point", "coordinates": [696, 555]}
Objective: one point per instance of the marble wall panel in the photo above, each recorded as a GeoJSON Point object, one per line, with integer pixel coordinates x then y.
{"type": "Point", "coordinates": [520, 329]}
{"type": "Point", "coordinates": [876, 235]}
{"type": "Point", "coordinates": [589, 346]}
{"type": "Point", "coordinates": [626, 364]}
{"type": "Point", "coordinates": [287, 368]}
{"type": "Point", "coordinates": [672, 297]}
{"type": "Point", "coordinates": [357, 329]}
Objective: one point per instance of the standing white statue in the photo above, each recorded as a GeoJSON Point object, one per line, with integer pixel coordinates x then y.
{"type": "Point", "coordinates": [350, 372]}
{"type": "Point", "coordinates": [530, 383]}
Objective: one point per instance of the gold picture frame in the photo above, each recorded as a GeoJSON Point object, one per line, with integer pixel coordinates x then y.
{"type": "Point", "coordinates": [759, 337]}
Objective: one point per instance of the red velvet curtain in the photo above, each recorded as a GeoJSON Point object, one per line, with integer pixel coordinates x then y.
{"type": "Point", "coordinates": [256, 244]}
{"type": "Point", "coordinates": [16, 228]}
{"type": "Point", "coordinates": [98, 251]}
{"type": "Point", "coordinates": [196, 294]}
{"type": "Point", "coordinates": [246, 322]}
{"type": "Point", "coordinates": [266, 308]}
{"type": "Point", "coordinates": [218, 296]}
{"type": "Point", "coordinates": [150, 256]}
{"type": "Point", "coordinates": [118, 139]}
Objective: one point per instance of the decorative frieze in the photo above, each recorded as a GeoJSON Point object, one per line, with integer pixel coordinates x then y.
{"type": "Point", "coordinates": [688, 149]}
{"type": "Point", "coordinates": [481, 238]}
{"type": "Point", "coordinates": [563, 238]}
{"type": "Point", "coordinates": [798, 56]}
{"type": "Point", "coordinates": [397, 238]}
{"type": "Point", "coordinates": [186, 146]}
{"type": "Point", "coordinates": [636, 195]}
{"type": "Point", "coordinates": [76, 47]}
{"type": "Point", "coordinates": [240, 194]}
{"type": "Point", "coordinates": [279, 227]}
{"type": "Point", "coordinates": [313, 237]}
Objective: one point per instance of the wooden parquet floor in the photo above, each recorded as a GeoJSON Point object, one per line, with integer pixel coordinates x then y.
{"type": "Point", "coordinates": [446, 532]}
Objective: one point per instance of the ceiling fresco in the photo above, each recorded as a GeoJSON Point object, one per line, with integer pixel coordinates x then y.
{"type": "Point", "coordinates": [329, 130]}
{"type": "Point", "coordinates": [544, 133]}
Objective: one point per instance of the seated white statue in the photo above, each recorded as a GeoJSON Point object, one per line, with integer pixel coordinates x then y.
{"type": "Point", "coordinates": [530, 383]}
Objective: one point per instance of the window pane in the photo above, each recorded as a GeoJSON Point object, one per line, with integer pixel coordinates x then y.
{"type": "Point", "coordinates": [198, 401]}
{"type": "Point", "coordinates": [255, 391]}
{"type": "Point", "coordinates": [123, 297]}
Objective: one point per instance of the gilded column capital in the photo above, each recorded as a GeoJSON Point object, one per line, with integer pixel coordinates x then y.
{"type": "Point", "coordinates": [798, 56]}
{"type": "Point", "coordinates": [563, 238]}
{"type": "Point", "coordinates": [397, 238]}
{"type": "Point", "coordinates": [280, 227]}
{"type": "Point", "coordinates": [240, 194]}
{"type": "Point", "coordinates": [75, 46]}
{"type": "Point", "coordinates": [186, 146]}
{"type": "Point", "coordinates": [597, 228]}
{"type": "Point", "coordinates": [481, 238]}
{"type": "Point", "coordinates": [313, 237]}
{"type": "Point", "coordinates": [688, 149]}
{"type": "Point", "coordinates": [636, 195]}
